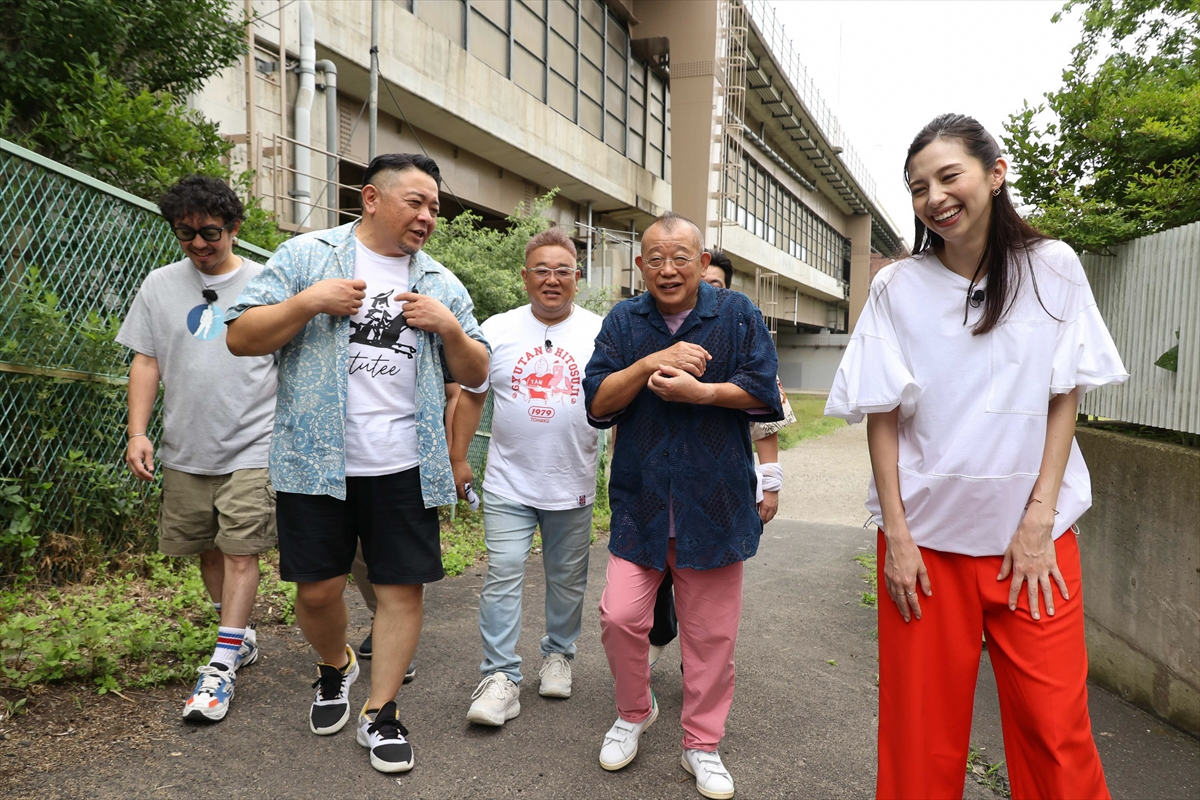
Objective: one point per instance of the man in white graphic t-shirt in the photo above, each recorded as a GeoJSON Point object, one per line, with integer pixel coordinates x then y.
{"type": "Point", "coordinates": [541, 472]}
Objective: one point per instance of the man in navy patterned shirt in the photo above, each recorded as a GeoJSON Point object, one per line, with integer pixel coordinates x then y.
{"type": "Point", "coordinates": [682, 369]}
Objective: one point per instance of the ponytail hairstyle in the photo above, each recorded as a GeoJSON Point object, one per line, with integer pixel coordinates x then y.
{"type": "Point", "coordinates": [1008, 237]}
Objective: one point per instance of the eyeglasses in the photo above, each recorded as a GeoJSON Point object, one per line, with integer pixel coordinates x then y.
{"type": "Point", "coordinates": [209, 233]}
{"type": "Point", "coordinates": [678, 262]}
{"type": "Point", "coordinates": [562, 273]}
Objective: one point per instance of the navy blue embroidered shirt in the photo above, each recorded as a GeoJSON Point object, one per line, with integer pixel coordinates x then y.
{"type": "Point", "coordinates": [696, 457]}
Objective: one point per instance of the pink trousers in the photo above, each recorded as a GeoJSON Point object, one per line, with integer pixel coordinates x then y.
{"type": "Point", "coordinates": [709, 606]}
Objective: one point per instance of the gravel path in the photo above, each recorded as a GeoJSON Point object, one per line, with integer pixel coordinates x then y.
{"type": "Point", "coordinates": [825, 479]}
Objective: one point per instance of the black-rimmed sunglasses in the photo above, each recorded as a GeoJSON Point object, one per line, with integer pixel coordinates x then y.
{"type": "Point", "coordinates": [209, 233]}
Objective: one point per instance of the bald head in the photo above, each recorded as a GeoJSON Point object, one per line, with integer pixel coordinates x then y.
{"type": "Point", "coordinates": [671, 224]}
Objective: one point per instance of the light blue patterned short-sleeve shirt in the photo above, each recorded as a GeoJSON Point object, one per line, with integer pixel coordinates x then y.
{"type": "Point", "coordinates": [308, 445]}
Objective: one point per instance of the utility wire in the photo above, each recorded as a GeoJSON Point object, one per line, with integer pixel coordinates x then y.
{"type": "Point", "coordinates": [418, 138]}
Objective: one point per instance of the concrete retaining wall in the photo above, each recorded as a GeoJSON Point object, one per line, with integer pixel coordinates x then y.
{"type": "Point", "coordinates": [1141, 573]}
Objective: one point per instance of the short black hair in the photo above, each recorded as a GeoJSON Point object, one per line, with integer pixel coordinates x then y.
{"type": "Point", "coordinates": [717, 258]}
{"type": "Point", "coordinates": [398, 162]}
{"type": "Point", "coordinates": [201, 194]}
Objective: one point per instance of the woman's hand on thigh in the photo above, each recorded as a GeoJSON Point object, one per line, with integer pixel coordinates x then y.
{"type": "Point", "coordinates": [903, 569]}
{"type": "Point", "coordinates": [1032, 561]}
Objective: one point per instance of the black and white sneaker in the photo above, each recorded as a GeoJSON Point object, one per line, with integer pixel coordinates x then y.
{"type": "Point", "coordinates": [331, 708]}
{"type": "Point", "coordinates": [382, 732]}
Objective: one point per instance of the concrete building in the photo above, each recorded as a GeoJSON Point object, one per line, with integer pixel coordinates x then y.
{"type": "Point", "coordinates": [628, 107]}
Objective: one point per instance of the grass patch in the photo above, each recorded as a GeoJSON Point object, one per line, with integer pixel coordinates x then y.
{"type": "Point", "coordinates": [462, 538]}
{"type": "Point", "coordinates": [986, 773]}
{"type": "Point", "coordinates": [811, 421]}
{"type": "Point", "coordinates": [141, 628]}
{"type": "Point", "coordinates": [869, 562]}
{"type": "Point", "coordinates": [1143, 432]}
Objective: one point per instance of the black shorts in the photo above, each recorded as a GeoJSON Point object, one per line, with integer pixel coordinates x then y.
{"type": "Point", "coordinates": [401, 539]}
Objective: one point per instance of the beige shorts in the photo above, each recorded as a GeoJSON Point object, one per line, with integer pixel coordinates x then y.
{"type": "Point", "coordinates": [234, 513]}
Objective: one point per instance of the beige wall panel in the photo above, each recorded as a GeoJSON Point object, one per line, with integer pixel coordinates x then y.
{"type": "Point", "coordinates": [860, 265]}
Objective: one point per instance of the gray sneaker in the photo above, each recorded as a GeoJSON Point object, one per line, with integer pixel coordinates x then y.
{"type": "Point", "coordinates": [556, 676]}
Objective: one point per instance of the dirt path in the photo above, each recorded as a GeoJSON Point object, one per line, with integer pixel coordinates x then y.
{"type": "Point", "coordinates": [825, 479]}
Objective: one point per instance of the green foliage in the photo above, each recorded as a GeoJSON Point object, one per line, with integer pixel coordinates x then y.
{"type": "Point", "coordinates": [99, 85]}
{"type": "Point", "coordinates": [164, 45]}
{"type": "Point", "coordinates": [810, 423]}
{"type": "Point", "coordinates": [122, 631]}
{"type": "Point", "coordinates": [868, 561]}
{"type": "Point", "coordinates": [1170, 359]}
{"type": "Point", "coordinates": [1120, 156]}
{"type": "Point", "coordinates": [489, 261]}
{"type": "Point", "coordinates": [63, 512]}
{"type": "Point", "coordinates": [141, 141]}
{"type": "Point", "coordinates": [462, 538]}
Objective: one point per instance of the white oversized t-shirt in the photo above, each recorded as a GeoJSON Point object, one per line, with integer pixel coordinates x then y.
{"type": "Point", "coordinates": [973, 409]}
{"type": "Point", "coordinates": [381, 431]}
{"type": "Point", "coordinates": [543, 451]}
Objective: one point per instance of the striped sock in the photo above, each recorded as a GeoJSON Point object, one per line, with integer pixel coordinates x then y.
{"type": "Point", "coordinates": [229, 641]}
{"type": "Point", "coordinates": [217, 606]}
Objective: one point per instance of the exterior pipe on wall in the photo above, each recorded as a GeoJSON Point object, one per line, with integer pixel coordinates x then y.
{"type": "Point", "coordinates": [302, 186]}
{"type": "Point", "coordinates": [331, 136]}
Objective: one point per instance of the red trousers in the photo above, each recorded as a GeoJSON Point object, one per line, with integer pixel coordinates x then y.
{"type": "Point", "coordinates": [928, 670]}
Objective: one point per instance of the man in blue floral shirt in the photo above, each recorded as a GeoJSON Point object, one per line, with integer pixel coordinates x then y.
{"type": "Point", "coordinates": [368, 328]}
{"type": "Point", "coordinates": [682, 370]}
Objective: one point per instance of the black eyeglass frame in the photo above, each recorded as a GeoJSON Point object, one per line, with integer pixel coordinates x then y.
{"type": "Point", "coordinates": [209, 233]}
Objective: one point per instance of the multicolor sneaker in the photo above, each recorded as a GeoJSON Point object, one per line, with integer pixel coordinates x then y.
{"type": "Point", "coordinates": [210, 699]}
{"type": "Point", "coordinates": [331, 709]}
{"type": "Point", "coordinates": [382, 732]}
{"type": "Point", "coordinates": [248, 652]}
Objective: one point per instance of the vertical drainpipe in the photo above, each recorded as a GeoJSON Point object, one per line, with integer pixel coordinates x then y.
{"type": "Point", "coordinates": [373, 90]}
{"type": "Point", "coordinates": [331, 136]}
{"type": "Point", "coordinates": [589, 244]}
{"type": "Point", "coordinates": [302, 191]}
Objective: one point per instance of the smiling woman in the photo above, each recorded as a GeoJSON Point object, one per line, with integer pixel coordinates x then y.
{"type": "Point", "coordinates": [968, 361]}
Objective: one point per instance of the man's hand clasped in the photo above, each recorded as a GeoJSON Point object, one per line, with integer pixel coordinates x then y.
{"type": "Point", "coordinates": [676, 371]}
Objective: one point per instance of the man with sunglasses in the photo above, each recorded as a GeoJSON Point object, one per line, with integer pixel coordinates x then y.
{"type": "Point", "coordinates": [369, 329]}
{"type": "Point", "coordinates": [683, 370]}
{"type": "Point", "coordinates": [217, 502]}
{"type": "Point", "coordinates": [541, 473]}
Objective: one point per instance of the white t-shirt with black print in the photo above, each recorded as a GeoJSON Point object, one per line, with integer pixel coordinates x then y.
{"type": "Point", "coordinates": [381, 431]}
{"type": "Point", "coordinates": [973, 409]}
{"type": "Point", "coordinates": [543, 451]}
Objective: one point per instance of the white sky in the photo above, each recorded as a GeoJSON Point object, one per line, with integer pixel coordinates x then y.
{"type": "Point", "coordinates": [887, 67]}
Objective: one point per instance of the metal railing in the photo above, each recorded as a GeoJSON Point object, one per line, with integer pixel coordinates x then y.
{"type": "Point", "coordinates": [276, 182]}
{"type": "Point", "coordinates": [772, 33]}
{"type": "Point", "coordinates": [1149, 294]}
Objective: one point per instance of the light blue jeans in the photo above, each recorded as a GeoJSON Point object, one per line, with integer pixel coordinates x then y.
{"type": "Point", "coordinates": [508, 532]}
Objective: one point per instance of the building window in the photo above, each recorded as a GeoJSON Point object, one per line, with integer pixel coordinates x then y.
{"type": "Point", "coordinates": [768, 210]}
{"type": "Point", "coordinates": [573, 55]}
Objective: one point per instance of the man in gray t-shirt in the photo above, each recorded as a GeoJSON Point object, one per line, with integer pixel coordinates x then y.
{"type": "Point", "coordinates": [218, 412]}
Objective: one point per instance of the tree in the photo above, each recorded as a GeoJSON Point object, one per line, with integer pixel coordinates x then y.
{"type": "Point", "coordinates": [1120, 157]}
{"type": "Point", "coordinates": [486, 260]}
{"type": "Point", "coordinates": [99, 85]}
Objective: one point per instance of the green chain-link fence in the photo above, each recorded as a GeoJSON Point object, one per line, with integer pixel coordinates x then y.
{"type": "Point", "coordinates": [73, 252]}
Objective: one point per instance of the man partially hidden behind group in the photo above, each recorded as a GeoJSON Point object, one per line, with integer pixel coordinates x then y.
{"type": "Point", "coordinates": [359, 447]}
{"type": "Point", "coordinates": [683, 370]}
{"type": "Point", "coordinates": [217, 501]}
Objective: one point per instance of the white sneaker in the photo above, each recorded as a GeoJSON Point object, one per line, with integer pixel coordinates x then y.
{"type": "Point", "coordinates": [556, 676]}
{"type": "Point", "coordinates": [655, 652]}
{"type": "Point", "coordinates": [248, 652]}
{"type": "Point", "coordinates": [496, 700]}
{"type": "Point", "coordinates": [712, 779]}
{"type": "Point", "coordinates": [621, 741]}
